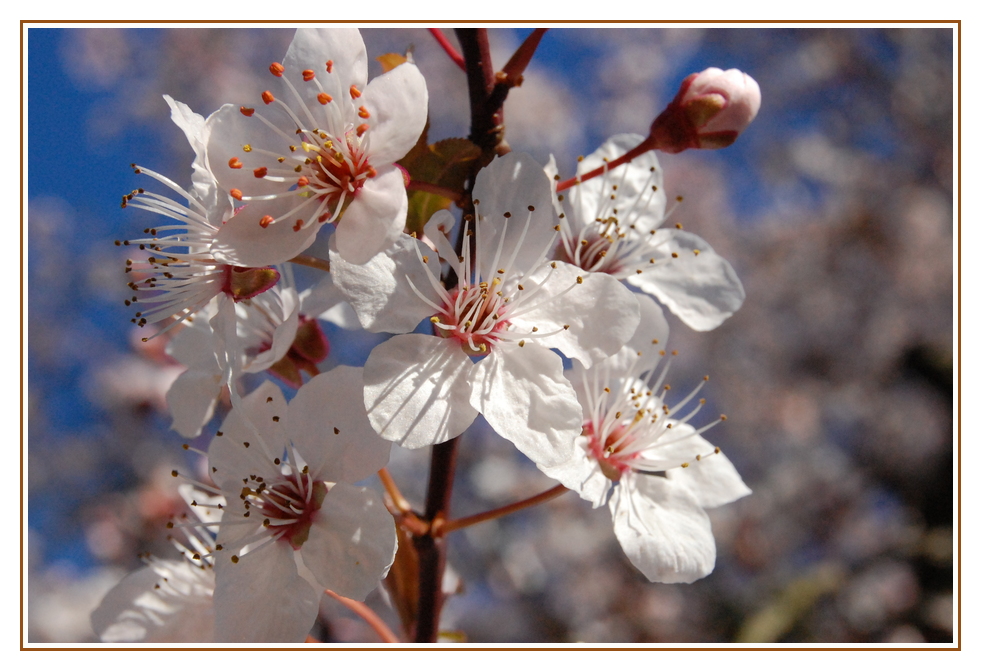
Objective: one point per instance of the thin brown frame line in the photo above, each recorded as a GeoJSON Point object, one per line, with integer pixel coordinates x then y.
{"type": "Point", "coordinates": [496, 22]}
{"type": "Point", "coordinates": [955, 25]}
{"type": "Point", "coordinates": [437, 648]}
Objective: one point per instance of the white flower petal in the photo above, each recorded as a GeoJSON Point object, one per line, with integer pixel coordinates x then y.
{"type": "Point", "coordinates": [643, 352]}
{"type": "Point", "coordinates": [662, 529]}
{"type": "Point", "coordinates": [581, 474]}
{"type": "Point", "coordinates": [228, 132]}
{"type": "Point", "coordinates": [143, 608]}
{"type": "Point", "coordinates": [204, 505]}
{"type": "Point", "coordinates": [228, 349]}
{"type": "Point", "coordinates": [525, 398]}
{"type": "Point", "coordinates": [193, 125]}
{"type": "Point", "coordinates": [701, 289]}
{"type": "Point", "coordinates": [713, 479]}
{"type": "Point", "coordinates": [552, 171]}
{"type": "Point", "coordinates": [417, 390]}
{"type": "Point", "coordinates": [283, 335]}
{"type": "Point", "coordinates": [375, 218]}
{"type": "Point", "coordinates": [380, 291]}
{"type": "Point", "coordinates": [325, 301]}
{"type": "Point", "coordinates": [437, 230]}
{"type": "Point", "coordinates": [675, 446]}
{"type": "Point", "coordinates": [514, 183]}
{"type": "Point", "coordinates": [398, 102]}
{"type": "Point", "coordinates": [194, 345]}
{"type": "Point", "coordinates": [330, 430]}
{"type": "Point", "coordinates": [637, 202]}
{"type": "Point", "coordinates": [192, 398]}
{"type": "Point", "coordinates": [602, 314]}
{"type": "Point", "coordinates": [262, 598]}
{"type": "Point", "coordinates": [250, 421]}
{"type": "Point", "coordinates": [204, 188]}
{"type": "Point", "coordinates": [242, 241]}
{"type": "Point", "coordinates": [311, 48]}
{"type": "Point", "coordinates": [352, 541]}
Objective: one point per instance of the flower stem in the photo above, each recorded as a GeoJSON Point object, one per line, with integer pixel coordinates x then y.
{"type": "Point", "coordinates": [463, 522]}
{"type": "Point", "coordinates": [368, 615]}
{"type": "Point", "coordinates": [312, 262]}
{"type": "Point", "coordinates": [647, 145]}
{"type": "Point", "coordinates": [448, 48]}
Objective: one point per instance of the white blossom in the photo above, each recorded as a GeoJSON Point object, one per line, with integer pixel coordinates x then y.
{"type": "Point", "coordinates": [180, 275]}
{"type": "Point", "coordinates": [227, 340]}
{"type": "Point", "coordinates": [168, 601]}
{"type": "Point", "coordinates": [641, 455]}
{"type": "Point", "coordinates": [613, 224]}
{"type": "Point", "coordinates": [319, 147]}
{"type": "Point", "coordinates": [295, 524]}
{"type": "Point", "coordinates": [510, 306]}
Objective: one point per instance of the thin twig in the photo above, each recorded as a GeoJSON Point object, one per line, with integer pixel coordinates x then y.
{"type": "Point", "coordinates": [644, 147]}
{"type": "Point", "coordinates": [403, 513]}
{"type": "Point", "coordinates": [448, 48]}
{"type": "Point", "coordinates": [400, 502]}
{"type": "Point", "coordinates": [368, 615]}
{"type": "Point", "coordinates": [312, 262]}
{"type": "Point", "coordinates": [463, 522]}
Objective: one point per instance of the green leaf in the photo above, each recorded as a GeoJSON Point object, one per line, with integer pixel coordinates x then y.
{"type": "Point", "coordinates": [445, 164]}
{"type": "Point", "coordinates": [422, 206]}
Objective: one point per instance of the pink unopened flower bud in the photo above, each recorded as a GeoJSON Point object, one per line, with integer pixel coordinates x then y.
{"type": "Point", "coordinates": [710, 111]}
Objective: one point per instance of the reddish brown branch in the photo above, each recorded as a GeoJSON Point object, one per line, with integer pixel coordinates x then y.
{"type": "Point", "coordinates": [486, 121]}
{"type": "Point", "coordinates": [463, 522]}
{"type": "Point", "coordinates": [430, 549]}
{"type": "Point", "coordinates": [645, 146]}
{"type": "Point", "coordinates": [513, 73]}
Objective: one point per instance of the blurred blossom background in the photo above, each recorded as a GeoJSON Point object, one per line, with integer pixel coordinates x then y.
{"type": "Point", "coordinates": [834, 207]}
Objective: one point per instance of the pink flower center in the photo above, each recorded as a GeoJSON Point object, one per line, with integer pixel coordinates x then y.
{"type": "Point", "coordinates": [325, 165]}
{"type": "Point", "coordinates": [608, 451]}
{"type": "Point", "coordinates": [338, 174]}
{"type": "Point", "coordinates": [475, 316]}
{"type": "Point", "coordinates": [289, 507]}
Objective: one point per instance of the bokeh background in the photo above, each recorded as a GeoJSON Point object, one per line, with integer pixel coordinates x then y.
{"type": "Point", "coordinates": [835, 208]}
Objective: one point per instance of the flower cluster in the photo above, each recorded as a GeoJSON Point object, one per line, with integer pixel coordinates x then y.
{"type": "Point", "coordinates": [486, 312]}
